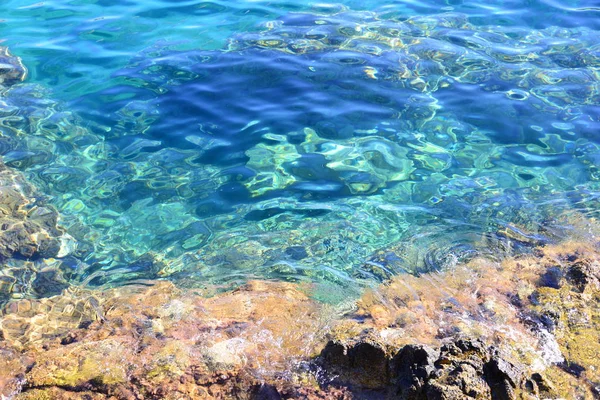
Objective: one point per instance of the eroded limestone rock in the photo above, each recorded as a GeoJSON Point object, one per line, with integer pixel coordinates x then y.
{"type": "Point", "coordinates": [150, 342]}
{"type": "Point", "coordinates": [524, 329]}
{"type": "Point", "coordinates": [482, 330]}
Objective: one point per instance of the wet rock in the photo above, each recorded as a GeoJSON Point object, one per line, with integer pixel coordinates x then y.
{"type": "Point", "coordinates": [12, 69]}
{"type": "Point", "coordinates": [104, 362]}
{"type": "Point", "coordinates": [583, 273]}
{"type": "Point", "coordinates": [552, 278]}
{"type": "Point", "coordinates": [54, 393]}
{"type": "Point", "coordinates": [524, 328]}
{"type": "Point", "coordinates": [13, 367]}
{"type": "Point", "coordinates": [435, 336]}
{"type": "Point", "coordinates": [363, 365]}
{"type": "Point", "coordinates": [28, 227]}
{"type": "Point", "coordinates": [227, 354]}
{"type": "Point", "coordinates": [573, 309]}
{"type": "Point", "coordinates": [503, 378]}
{"type": "Point", "coordinates": [462, 369]}
{"type": "Point", "coordinates": [540, 386]}
{"type": "Point", "coordinates": [153, 342]}
{"type": "Point", "coordinates": [411, 368]}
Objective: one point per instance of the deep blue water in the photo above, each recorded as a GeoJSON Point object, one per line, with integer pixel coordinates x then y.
{"type": "Point", "coordinates": [337, 143]}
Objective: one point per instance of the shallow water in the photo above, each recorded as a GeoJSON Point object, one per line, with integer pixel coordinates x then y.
{"type": "Point", "coordinates": [213, 142]}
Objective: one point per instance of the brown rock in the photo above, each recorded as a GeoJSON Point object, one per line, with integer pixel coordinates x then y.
{"type": "Point", "coordinates": [476, 333]}
{"type": "Point", "coordinates": [54, 393]}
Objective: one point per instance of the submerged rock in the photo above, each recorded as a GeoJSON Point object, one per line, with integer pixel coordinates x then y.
{"type": "Point", "coordinates": [12, 69]}
{"type": "Point", "coordinates": [361, 165]}
{"type": "Point", "coordinates": [153, 342]}
{"type": "Point", "coordinates": [28, 224]}
{"type": "Point", "coordinates": [28, 227]}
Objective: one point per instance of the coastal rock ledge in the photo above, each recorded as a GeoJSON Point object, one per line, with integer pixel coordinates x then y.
{"type": "Point", "coordinates": [525, 328]}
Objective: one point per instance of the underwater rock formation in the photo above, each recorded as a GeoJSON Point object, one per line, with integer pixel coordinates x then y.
{"type": "Point", "coordinates": [12, 69]}
{"type": "Point", "coordinates": [27, 229]}
{"type": "Point", "coordinates": [526, 328]}
{"type": "Point", "coordinates": [28, 226]}
{"type": "Point", "coordinates": [30, 232]}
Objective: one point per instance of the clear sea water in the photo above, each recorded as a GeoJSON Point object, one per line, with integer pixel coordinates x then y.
{"type": "Point", "coordinates": [214, 142]}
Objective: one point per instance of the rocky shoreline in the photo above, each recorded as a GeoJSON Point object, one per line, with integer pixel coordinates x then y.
{"type": "Point", "coordinates": [527, 328]}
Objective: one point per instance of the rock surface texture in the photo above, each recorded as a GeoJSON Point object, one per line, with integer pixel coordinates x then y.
{"type": "Point", "coordinates": [523, 329]}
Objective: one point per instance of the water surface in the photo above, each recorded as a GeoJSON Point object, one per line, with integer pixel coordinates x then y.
{"type": "Point", "coordinates": [213, 142]}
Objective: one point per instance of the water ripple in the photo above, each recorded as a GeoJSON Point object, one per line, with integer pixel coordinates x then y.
{"type": "Point", "coordinates": [341, 142]}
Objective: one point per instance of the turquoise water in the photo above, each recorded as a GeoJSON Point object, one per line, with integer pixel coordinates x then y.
{"type": "Point", "coordinates": [213, 142]}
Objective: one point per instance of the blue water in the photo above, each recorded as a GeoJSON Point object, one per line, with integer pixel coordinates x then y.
{"type": "Point", "coordinates": [213, 142]}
